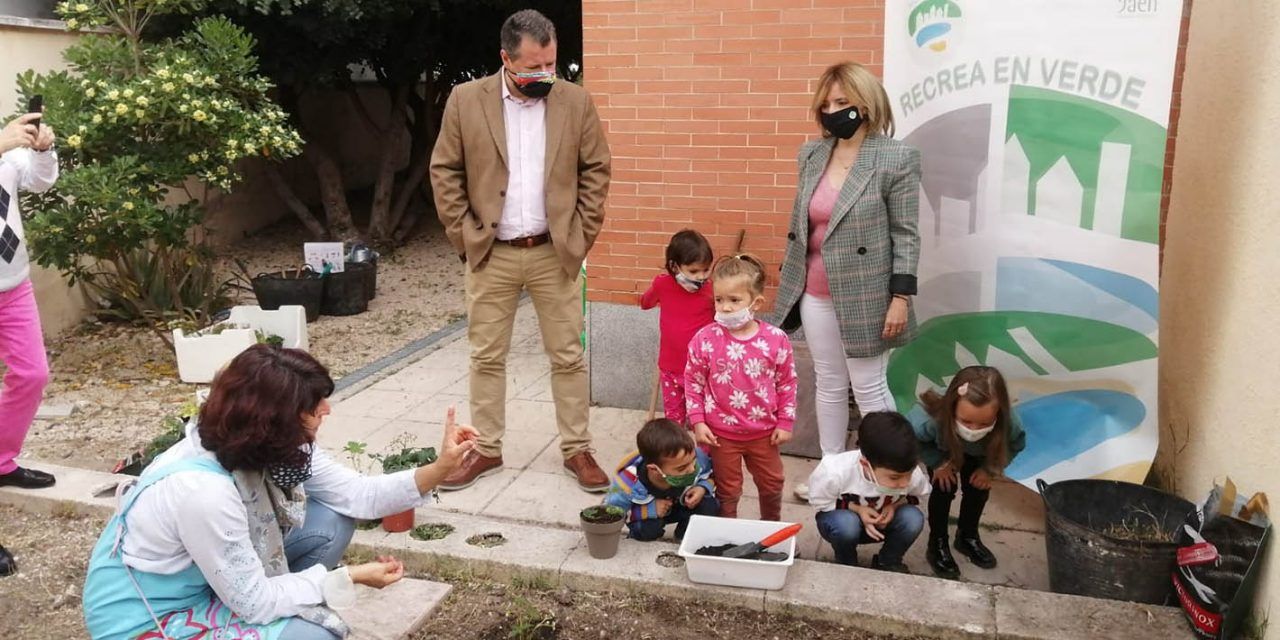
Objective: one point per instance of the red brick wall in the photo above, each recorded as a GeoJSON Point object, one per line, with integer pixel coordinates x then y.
{"type": "Point", "coordinates": [705, 104]}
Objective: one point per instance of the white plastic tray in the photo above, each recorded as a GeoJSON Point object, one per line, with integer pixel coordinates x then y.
{"type": "Point", "coordinates": [732, 572]}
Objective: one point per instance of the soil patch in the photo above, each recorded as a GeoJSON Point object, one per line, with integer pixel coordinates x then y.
{"type": "Point", "coordinates": [526, 609]}
{"type": "Point", "coordinates": [42, 600]}
{"type": "Point", "coordinates": [487, 540]}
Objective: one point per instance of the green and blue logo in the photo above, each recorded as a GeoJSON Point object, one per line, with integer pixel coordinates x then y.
{"type": "Point", "coordinates": [932, 24]}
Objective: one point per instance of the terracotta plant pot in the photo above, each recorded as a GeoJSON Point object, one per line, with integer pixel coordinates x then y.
{"type": "Point", "coordinates": [399, 522]}
{"type": "Point", "coordinates": [602, 537]}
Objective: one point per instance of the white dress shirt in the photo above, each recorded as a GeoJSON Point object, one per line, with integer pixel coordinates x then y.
{"type": "Point", "coordinates": [524, 212]}
{"type": "Point", "coordinates": [196, 516]}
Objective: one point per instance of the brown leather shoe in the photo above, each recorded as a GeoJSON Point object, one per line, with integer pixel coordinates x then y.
{"type": "Point", "coordinates": [589, 474]}
{"type": "Point", "coordinates": [474, 466]}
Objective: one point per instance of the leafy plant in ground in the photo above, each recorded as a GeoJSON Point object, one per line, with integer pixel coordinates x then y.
{"type": "Point", "coordinates": [431, 531]}
{"type": "Point", "coordinates": [528, 622]}
{"type": "Point", "coordinates": [142, 122]}
{"type": "Point", "coordinates": [174, 432]}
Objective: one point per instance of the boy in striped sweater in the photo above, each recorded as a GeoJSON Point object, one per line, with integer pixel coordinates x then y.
{"type": "Point", "coordinates": [666, 481]}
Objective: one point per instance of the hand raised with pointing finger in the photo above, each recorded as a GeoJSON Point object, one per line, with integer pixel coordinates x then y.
{"type": "Point", "coordinates": [459, 439]}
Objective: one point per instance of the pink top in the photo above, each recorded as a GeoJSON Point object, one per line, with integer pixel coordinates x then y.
{"type": "Point", "coordinates": [682, 314]}
{"type": "Point", "coordinates": [820, 208]}
{"type": "Point", "coordinates": [524, 211]}
{"type": "Point", "coordinates": [743, 389]}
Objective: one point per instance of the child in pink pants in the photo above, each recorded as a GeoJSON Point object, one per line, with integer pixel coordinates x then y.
{"type": "Point", "coordinates": [27, 163]}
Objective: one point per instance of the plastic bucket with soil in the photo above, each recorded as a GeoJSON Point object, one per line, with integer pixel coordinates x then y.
{"type": "Point", "coordinates": [1110, 539]}
{"type": "Point", "coordinates": [346, 292]}
{"type": "Point", "coordinates": [301, 287]}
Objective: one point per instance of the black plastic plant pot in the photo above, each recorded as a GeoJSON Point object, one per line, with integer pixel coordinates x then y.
{"type": "Point", "coordinates": [304, 288]}
{"type": "Point", "coordinates": [346, 292]}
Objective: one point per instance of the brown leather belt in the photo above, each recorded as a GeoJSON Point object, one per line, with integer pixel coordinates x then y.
{"type": "Point", "coordinates": [528, 242]}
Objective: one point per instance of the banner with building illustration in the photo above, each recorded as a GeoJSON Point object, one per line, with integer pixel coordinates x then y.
{"type": "Point", "coordinates": [1042, 129]}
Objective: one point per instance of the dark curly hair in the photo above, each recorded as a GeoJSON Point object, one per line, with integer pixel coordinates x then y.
{"type": "Point", "coordinates": [253, 417]}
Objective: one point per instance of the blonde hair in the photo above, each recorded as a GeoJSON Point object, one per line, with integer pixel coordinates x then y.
{"type": "Point", "coordinates": [744, 266]}
{"type": "Point", "coordinates": [859, 85]}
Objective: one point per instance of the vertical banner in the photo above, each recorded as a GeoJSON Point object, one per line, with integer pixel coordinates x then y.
{"type": "Point", "coordinates": [1042, 129]}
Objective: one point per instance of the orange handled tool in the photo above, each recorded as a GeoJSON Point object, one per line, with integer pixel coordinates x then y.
{"type": "Point", "coordinates": [752, 548]}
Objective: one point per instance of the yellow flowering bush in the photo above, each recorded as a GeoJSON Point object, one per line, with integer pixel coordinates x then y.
{"type": "Point", "coordinates": [137, 119]}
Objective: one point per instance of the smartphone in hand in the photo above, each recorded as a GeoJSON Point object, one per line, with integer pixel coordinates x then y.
{"type": "Point", "coordinates": [36, 105]}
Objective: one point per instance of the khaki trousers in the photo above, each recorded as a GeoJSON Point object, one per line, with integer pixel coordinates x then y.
{"type": "Point", "coordinates": [493, 293]}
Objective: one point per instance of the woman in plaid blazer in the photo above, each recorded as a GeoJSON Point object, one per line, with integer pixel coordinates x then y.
{"type": "Point", "coordinates": [850, 266]}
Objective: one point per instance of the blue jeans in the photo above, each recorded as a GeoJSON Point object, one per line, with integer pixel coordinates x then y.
{"type": "Point", "coordinates": [843, 529]}
{"type": "Point", "coordinates": [322, 539]}
{"type": "Point", "coordinates": [647, 530]}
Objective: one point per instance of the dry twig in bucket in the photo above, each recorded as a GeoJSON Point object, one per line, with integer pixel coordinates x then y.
{"type": "Point", "coordinates": [1143, 527]}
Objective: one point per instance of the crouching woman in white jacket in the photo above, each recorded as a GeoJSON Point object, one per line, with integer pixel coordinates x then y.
{"type": "Point", "coordinates": [237, 531]}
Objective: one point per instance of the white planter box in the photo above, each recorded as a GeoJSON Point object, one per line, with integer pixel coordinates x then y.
{"type": "Point", "coordinates": [201, 356]}
{"type": "Point", "coordinates": [732, 572]}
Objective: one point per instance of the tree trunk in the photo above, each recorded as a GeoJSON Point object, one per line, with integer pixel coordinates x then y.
{"type": "Point", "coordinates": [425, 131]}
{"type": "Point", "coordinates": [295, 204]}
{"type": "Point", "coordinates": [333, 194]}
{"type": "Point", "coordinates": [381, 225]}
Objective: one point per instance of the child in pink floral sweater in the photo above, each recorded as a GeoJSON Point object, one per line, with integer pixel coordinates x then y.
{"type": "Point", "coordinates": [740, 384]}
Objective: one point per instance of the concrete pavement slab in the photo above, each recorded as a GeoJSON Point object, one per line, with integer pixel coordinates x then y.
{"type": "Point", "coordinates": [1034, 615]}
{"type": "Point", "coordinates": [395, 612]}
{"type": "Point", "coordinates": [639, 563]}
{"type": "Point", "coordinates": [548, 498]}
{"type": "Point", "coordinates": [377, 403]}
{"type": "Point", "coordinates": [883, 602]}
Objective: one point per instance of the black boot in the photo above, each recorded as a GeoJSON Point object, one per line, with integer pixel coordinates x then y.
{"type": "Point", "coordinates": [938, 553]}
{"type": "Point", "coordinates": [897, 567]}
{"type": "Point", "coordinates": [7, 565]}
{"type": "Point", "coordinates": [971, 545]}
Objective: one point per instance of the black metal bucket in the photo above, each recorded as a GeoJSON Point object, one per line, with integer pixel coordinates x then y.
{"type": "Point", "coordinates": [1097, 542]}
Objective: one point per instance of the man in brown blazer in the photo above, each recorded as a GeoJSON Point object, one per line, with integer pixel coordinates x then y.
{"type": "Point", "coordinates": [520, 173]}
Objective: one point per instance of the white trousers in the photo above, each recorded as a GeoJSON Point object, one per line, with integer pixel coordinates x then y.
{"type": "Point", "coordinates": [833, 374]}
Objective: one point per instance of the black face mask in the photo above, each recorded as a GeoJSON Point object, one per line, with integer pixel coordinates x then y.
{"type": "Point", "coordinates": [538, 88]}
{"type": "Point", "coordinates": [288, 476]}
{"type": "Point", "coordinates": [843, 123]}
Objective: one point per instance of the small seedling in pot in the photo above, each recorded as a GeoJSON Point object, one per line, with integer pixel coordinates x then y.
{"type": "Point", "coordinates": [602, 514]}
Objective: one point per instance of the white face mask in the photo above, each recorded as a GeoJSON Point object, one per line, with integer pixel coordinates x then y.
{"type": "Point", "coordinates": [881, 489]}
{"type": "Point", "coordinates": [735, 320]}
{"type": "Point", "coordinates": [972, 435]}
{"type": "Point", "coordinates": [690, 284]}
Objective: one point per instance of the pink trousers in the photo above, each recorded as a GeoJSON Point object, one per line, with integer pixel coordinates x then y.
{"type": "Point", "coordinates": [22, 351]}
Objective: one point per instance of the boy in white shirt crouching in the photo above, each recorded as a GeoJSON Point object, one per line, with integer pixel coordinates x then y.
{"type": "Point", "coordinates": [872, 493]}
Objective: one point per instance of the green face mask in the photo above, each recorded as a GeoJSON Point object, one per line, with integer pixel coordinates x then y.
{"type": "Point", "coordinates": [679, 482]}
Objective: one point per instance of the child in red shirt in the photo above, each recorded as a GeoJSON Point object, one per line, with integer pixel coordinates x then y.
{"type": "Point", "coordinates": [684, 293]}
